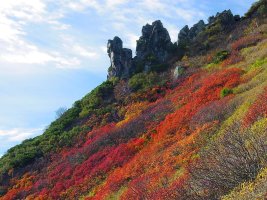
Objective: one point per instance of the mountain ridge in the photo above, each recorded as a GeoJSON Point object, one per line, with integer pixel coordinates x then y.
{"type": "Point", "coordinates": [161, 108]}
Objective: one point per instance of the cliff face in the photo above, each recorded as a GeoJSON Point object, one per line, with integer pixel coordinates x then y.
{"type": "Point", "coordinates": [155, 41]}
{"type": "Point", "coordinates": [154, 44]}
{"type": "Point", "coordinates": [120, 59]}
{"type": "Point", "coordinates": [154, 47]}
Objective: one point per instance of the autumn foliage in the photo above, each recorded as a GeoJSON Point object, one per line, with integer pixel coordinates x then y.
{"type": "Point", "coordinates": [197, 137]}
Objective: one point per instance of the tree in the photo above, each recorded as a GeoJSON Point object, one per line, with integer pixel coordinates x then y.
{"type": "Point", "coordinates": [60, 111]}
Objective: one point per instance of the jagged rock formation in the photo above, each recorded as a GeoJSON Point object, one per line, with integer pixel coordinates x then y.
{"type": "Point", "coordinates": [202, 37]}
{"type": "Point", "coordinates": [120, 58]}
{"type": "Point", "coordinates": [258, 9]}
{"type": "Point", "coordinates": [189, 34]}
{"type": "Point", "coordinates": [153, 47]}
{"type": "Point", "coordinates": [225, 18]}
{"type": "Point", "coordinates": [186, 35]}
{"type": "Point", "coordinates": [155, 41]}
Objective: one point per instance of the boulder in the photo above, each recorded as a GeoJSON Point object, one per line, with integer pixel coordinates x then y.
{"type": "Point", "coordinates": [178, 71]}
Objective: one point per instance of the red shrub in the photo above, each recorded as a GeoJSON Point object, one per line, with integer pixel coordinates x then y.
{"type": "Point", "coordinates": [208, 91]}
{"type": "Point", "coordinates": [234, 58]}
{"type": "Point", "coordinates": [246, 41]}
{"type": "Point", "coordinates": [257, 110]}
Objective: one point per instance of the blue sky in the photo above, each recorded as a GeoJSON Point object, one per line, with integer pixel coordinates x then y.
{"type": "Point", "coordinates": [54, 52]}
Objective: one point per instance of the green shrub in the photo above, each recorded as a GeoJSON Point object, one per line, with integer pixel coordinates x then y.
{"type": "Point", "coordinates": [259, 7]}
{"type": "Point", "coordinates": [98, 97]}
{"type": "Point", "coordinates": [215, 29]}
{"type": "Point", "coordinates": [259, 63]}
{"type": "Point", "coordinates": [142, 81]}
{"type": "Point", "coordinates": [225, 92]}
{"type": "Point", "coordinates": [220, 56]}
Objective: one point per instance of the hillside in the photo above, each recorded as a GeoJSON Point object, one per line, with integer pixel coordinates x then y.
{"type": "Point", "coordinates": [178, 121]}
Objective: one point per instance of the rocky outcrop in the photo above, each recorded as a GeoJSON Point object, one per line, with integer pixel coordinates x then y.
{"type": "Point", "coordinates": [196, 29]}
{"type": "Point", "coordinates": [153, 48]}
{"type": "Point", "coordinates": [120, 59]}
{"type": "Point", "coordinates": [225, 18]}
{"type": "Point", "coordinates": [155, 41]}
{"type": "Point", "coordinates": [258, 9]}
{"type": "Point", "coordinates": [186, 35]}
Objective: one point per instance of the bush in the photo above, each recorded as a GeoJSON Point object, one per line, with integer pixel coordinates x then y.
{"type": "Point", "coordinates": [121, 91]}
{"type": "Point", "coordinates": [225, 92]}
{"type": "Point", "coordinates": [230, 159]}
{"type": "Point", "coordinates": [101, 95]}
{"type": "Point", "coordinates": [246, 41]}
{"type": "Point", "coordinates": [234, 58]}
{"type": "Point", "coordinates": [215, 29]}
{"type": "Point", "coordinates": [250, 190]}
{"type": "Point", "coordinates": [220, 56]}
{"type": "Point", "coordinates": [142, 81]}
{"type": "Point", "coordinates": [259, 7]}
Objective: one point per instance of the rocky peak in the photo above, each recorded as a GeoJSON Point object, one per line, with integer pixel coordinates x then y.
{"type": "Point", "coordinates": [155, 41]}
{"type": "Point", "coordinates": [196, 29]}
{"type": "Point", "coordinates": [258, 9]}
{"type": "Point", "coordinates": [120, 59]}
{"type": "Point", "coordinates": [184, 32]}
{"type": "Point", "coordinates": [186, 35]}
{"type": "Point", "coordinates": [224, 18]}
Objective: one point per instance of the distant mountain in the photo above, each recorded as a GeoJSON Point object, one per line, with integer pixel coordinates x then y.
{"type": "Point", "coordinates": [184, 120]}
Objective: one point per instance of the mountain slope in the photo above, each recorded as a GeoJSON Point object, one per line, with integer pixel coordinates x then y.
{"type": "Point", "coordinates": [193, 126]}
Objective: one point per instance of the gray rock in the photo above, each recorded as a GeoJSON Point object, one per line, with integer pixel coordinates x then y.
{"type": "Point", "coordinates": [183, 34]}
{"type": "Point", "coordinates": [186, 35]}
{"type": "Point", "coordinates": [225, 18]}
{"type": "Point", "coordinates": [178, 71]}
{"type": "Point", "coordinates": [196, 29]}
{"type": "Point", "coordinates": [155, 41]}
{"type": "Point", "coordinates": [120, 59]}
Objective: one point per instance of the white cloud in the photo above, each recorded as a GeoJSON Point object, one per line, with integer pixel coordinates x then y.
{"type": "Point", "coordinates": [15, 15]}
{"type": "Point", "coordinates": [173, 31]}
{"type": "Point", "coordinates": [18, 134]}
{"type": "Point", "coordinates": [131, 40]}
{"type": "Point", "coordinates": [81, 5]}
{"type": "Point", "coordinates": [113, 3]}
{"type": "Point", "coordinates": [84, 52]}
{"type": "Point", "coordinates": [29, 10]}
{"type": "Point", "coordinates": [123, 15]}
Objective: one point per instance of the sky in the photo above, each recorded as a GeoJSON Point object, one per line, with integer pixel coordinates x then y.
{"type": "Point", "coordinates": [52, 53]}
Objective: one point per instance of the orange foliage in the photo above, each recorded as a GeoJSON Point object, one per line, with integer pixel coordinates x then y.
{"type": "Point", "coordinates": [147, 153]}
{"type": "Point", "coordinates": [19, 187]}
{"type": "Point", "coordinates": [132, 111]}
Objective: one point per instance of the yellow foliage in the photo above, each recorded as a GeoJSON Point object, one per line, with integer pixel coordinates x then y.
{"type": "Point", "coordinates": [133, 111]}
{"type": "Point", "coordinates": [250, 190]}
